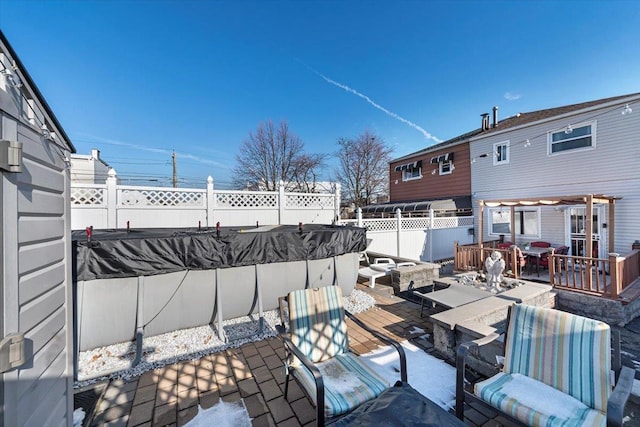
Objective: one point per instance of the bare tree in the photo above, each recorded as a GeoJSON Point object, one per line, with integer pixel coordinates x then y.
{"type": "Point", "coordinates": [305, 172]}
{"type": "Point", "coordinates": [268, 156]}
{"type": "Point", "coordinates": [363, 169]}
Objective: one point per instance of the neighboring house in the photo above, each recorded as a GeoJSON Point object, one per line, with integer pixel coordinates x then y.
{"type": "Point", "coordinates": [437, 177]}
{"type": "Point", "coordinates": [581, 149]}
{"type": "Point", "coordinates": [89, 169]}
{"type": "Point", "coordinates": [35, 251]}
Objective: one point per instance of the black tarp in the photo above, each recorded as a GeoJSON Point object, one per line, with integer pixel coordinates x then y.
{"type": "Point", "coordinates": [146, 252]}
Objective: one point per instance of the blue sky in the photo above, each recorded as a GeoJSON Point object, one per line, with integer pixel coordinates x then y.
{"type": "Point", "coordinates": [138, 79]}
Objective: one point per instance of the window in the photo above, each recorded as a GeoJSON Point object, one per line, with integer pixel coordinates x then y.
{"type": "Point", "coordinates": [446, 167]}
{"type": "Point", "coordinates": [412, 173]}
{"type": "Point", "coordinates": [580, 136]}
{"type": "Point", "coordinates": [501, 153]}
{"type": "Point", "coordinates": [526, 222]}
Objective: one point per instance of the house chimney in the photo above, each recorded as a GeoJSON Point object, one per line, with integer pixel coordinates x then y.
{"type": "Point", "coordinates": [495, 116]}
{"type": "Point", "coordinates": [485, 121]}
{"type": "Point", "coordinates": [95, 154]}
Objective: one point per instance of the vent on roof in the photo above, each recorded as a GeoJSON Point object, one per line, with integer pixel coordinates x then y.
{"type": "Point", "coordinates": [495, 116]}
{"type": "Point", "coordinates": [485, 121]}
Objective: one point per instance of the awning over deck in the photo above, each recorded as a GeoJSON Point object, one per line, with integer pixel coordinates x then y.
{"type": "Point", "coordinates": [585, 199]}
{"type": "Point", "coordinates": [451, 204]}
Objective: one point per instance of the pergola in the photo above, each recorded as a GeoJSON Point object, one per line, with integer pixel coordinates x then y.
{"type": "Point", "coordinates": [588, 200]}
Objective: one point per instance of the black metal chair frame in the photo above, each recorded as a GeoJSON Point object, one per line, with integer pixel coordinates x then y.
{"type": "Point", "coordinates": [290, 348]}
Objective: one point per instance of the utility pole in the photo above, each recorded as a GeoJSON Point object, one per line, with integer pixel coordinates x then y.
{"type": "Point", "coordinates": [175, 169]}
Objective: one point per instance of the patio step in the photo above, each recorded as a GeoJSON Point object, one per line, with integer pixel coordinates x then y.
{"type": "Point", "coordinates": [631, 292]}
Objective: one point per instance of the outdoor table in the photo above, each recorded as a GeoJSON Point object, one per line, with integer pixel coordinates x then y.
{"type": "Point", "coordinates": [536, 252]}
{"type": "Point", "coordinates": [400, 405]}
{"type": "Point", "coordinates": [453, 296]}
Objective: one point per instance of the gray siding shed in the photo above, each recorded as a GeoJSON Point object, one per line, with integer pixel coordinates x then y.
{"type": "Point", "coordinates": [35, 257]}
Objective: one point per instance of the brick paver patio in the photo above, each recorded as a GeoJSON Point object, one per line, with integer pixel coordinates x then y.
{"type": "Point", "coordinates": [254, 372]}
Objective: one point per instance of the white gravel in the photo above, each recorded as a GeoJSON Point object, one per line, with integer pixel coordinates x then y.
{"type": "Point", "coordinates": [114, 361]}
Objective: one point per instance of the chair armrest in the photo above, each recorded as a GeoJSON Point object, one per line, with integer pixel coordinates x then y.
{"type": "Point", "coordinates": [386, 339]}
{"type": "Point", "coordinates": [619, 397]}
{"type": "Point", "coordinates": [317, 376]}
{"type": "Point", "coordinates": [461, 365]}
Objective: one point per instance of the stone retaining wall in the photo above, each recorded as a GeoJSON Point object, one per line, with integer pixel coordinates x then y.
{"type": "Point", "coordinates": [613, 312]}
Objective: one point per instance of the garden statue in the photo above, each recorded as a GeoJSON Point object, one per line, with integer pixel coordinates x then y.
{"type": "Point", "coordinates": [495, 267]}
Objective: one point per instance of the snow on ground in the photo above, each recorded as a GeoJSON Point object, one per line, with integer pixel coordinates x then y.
{"type": "Point", "coordinates": [114, 361]}
{"type": "Point", "coordinates": [432, 377]}
{"type": "Point", "coordinates": [222, 414]}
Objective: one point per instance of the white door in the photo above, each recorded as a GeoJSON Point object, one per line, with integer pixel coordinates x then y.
{"type": "Point", "coordinates": [577, 236]}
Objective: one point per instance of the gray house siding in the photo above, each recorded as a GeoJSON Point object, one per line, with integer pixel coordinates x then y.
{"type": "Point", "coordinates": [610, 168]}
{"type": "Point", "coordinates": [36, 268]}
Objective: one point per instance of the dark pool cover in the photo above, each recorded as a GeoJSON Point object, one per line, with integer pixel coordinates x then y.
{"type": "Point", "coordinates": [146, 252]}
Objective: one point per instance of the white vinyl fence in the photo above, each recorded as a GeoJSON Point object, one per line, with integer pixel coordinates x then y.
{"type": "Point", "coordinates": [115, 206]}
{"type": "Point", "coordinates": [424, 239]}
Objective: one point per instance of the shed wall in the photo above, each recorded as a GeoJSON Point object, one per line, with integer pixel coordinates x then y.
{"type": "Point", "coordinates": [36, 279]}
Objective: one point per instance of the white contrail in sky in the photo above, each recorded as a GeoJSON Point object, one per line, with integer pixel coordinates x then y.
{"type": "Point", "coordinates": [108, 141]}
{"type": "Point", "coordinates": [379, 107]}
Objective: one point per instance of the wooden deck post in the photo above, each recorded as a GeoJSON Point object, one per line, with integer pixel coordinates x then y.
{"type": "Point", "coordinates": [615, 273]}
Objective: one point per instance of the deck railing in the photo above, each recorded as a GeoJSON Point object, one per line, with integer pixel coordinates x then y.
{"type": "Point", "coordinates": [606, 277]}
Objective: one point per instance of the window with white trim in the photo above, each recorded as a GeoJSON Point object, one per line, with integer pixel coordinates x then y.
{"type": "Point", "coordinates": [527, 222]}
{"type": "Point", "coordinates": [446, 167]}
{"type": "Point", "coordinates": [412, 173]}
{"type": "Point", "coordinates": [576, 137]}
{"type": "Point", "coordinates": [501, 153]}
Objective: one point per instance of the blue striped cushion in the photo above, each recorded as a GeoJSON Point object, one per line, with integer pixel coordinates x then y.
{"type": "Point", "coordinates": [567, 352]}
{"type": "Point", "coordinates": [348, 383]}
{"type": "Point", "coordinates": [535, 403]}
{"type": "Point", "coordinates": [316, 319]}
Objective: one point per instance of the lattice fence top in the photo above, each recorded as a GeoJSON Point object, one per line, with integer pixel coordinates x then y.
{"type": "Point", "coordinates": [162, 198]}
{"type": "Point", "coordinates": [415, 223]}
{"type": "Point", "coordinates": [379, 224]}
{"type": "Point", "coordinates": [453, 221]}
{"type": "Point", "coordinates": [246, 200]}
{"type": "Point", "coordinates": [309, 201]}
{"type": "Point", "coordinates": [88, 196]}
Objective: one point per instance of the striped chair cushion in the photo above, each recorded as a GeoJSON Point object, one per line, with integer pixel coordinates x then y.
{"type": "Point", "coordinates": [567, 352]}
{"type": "Point", "coordinates": [348, 382]}
{"type": "Point", "coordinates": [535, 403]}
{"type": "Point", "coordinates": [316, 319]}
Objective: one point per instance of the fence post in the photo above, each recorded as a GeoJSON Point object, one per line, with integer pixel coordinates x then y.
{"type": "Point", "coordinates": [359, 217]}
{"type": "Point", "coordinates": [431, 234]}
{"type": "Point", "coordinates": [112, 199]}
{"type": "Point", "coordinates": [399, 229]}
{"type": "Point", "coordinates": [336, 203]}
{"type": "Point", "coordinates": [615, 263]}
{"type": "Point", "coordinates": [281, 202]}
{"type": "Point", "coordinates": [210, 202]}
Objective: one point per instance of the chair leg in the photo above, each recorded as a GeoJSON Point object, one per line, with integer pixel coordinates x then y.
{"type": "Point", "coordinates": [286, 383]}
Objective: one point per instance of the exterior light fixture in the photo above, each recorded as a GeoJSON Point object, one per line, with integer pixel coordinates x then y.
{"type": "Point", "coordinates": [568, 129]}
{"type": "Point", "coordinates": [11, 78]}
{"type": "Point", "coordinates": [45, 132]}
{"type": "Point", "coordinates": [626, 110]}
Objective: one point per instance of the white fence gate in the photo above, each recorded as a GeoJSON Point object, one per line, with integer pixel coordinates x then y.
{"type": "Point", "coordinates": [424, 239]}
{"type": "Point", "coordinates": [115, 206]}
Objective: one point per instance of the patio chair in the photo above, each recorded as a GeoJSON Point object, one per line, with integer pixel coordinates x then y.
{"type": "Point", "coordinates": [504, 245]}
{"type": "Point", "coordinates": [560, 250]}
{"type": "Point", "coordinates": [540, 244]}
{"type": "Point", "coordinates": [557, 371]}
{"type": "Point", "coordinates": [318, 356]}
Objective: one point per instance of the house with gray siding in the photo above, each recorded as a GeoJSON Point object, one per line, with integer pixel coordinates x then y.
{"type": "Point", "coordinates": [36, 386]}
{"type": "Point", "coordinates": [581, 149]}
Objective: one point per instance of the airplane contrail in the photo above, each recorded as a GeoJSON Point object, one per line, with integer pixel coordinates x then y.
{"type": "Point", "coordinates": [346, 88]}
{"type": "Point", "coordinates": [108, 141]}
